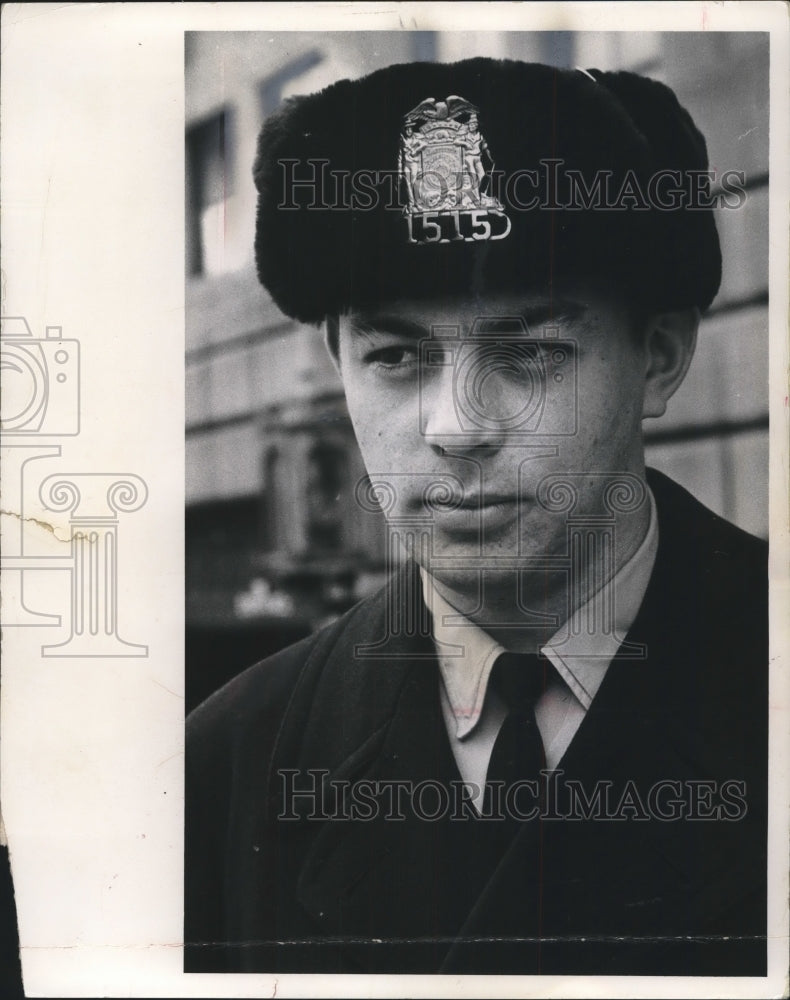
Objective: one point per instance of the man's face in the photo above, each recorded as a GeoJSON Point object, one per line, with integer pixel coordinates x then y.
{"type": "Point", "coordinates": [462, 408]}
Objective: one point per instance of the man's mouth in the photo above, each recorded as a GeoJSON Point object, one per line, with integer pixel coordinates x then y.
{"type": "Point", "coordinates": [470, 513]}
{"type": "Point", "coordinates": [481, 501]}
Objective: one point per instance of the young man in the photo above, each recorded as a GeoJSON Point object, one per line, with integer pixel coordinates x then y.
{"type": "Point", "coordinates": [542, 748]}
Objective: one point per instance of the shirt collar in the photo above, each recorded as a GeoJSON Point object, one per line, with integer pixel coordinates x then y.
{"type": "Point", "coordinates": [580, 650]}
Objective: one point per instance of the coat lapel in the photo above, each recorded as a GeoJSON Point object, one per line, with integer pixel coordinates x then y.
{"type": "Point", "coordinates": [369, 712]}
{"type": "Point", "coordinates": [376, 883]}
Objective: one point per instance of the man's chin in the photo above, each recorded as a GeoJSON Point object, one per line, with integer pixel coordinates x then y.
{"type": "Point", "coordinates": [468, 581]}
{"type": "Point", "coordinates": [504, 566]}
{"type": "Point", "coordinates": [510, 551]}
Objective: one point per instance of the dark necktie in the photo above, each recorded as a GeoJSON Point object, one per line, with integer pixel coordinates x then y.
{"type": "Point", "coordinates": [517, 755]}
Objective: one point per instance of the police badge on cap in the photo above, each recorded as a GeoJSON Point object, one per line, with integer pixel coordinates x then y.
{"type": "Point", "coordinates": [445, 165]}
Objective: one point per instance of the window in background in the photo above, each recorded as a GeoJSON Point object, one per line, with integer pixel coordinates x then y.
{"type": "Point", "coordinates": [211, 248]}
{"type": "Point", "coordinates": [273, 87]}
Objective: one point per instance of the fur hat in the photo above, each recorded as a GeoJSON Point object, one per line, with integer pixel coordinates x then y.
{"type": "Point", "coordinates": [597, 177]}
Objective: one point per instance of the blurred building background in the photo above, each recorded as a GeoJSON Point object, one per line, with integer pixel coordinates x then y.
{"type": "Point", "coordinates": [275, 542]}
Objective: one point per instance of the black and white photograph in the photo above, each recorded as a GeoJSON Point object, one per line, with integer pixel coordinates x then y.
{"type": "Point", "coordinates": [456, 478]}
{"type": "Point", "coordinates": [395, 533]}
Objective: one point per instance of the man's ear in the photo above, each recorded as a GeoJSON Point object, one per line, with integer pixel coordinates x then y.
{"type": "Point", "coordinates": [332, 340]}
{"type": "Point", "coordinates": [669, 346]}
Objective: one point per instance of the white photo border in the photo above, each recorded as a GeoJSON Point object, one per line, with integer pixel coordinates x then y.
{"type": "Point", "coordinates": [93, 243]}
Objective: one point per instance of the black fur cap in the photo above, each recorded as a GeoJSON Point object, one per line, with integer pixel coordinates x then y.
{"type": "Point", "coordinates": [319, 252]}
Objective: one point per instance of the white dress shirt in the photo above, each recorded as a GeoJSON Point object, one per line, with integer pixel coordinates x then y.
{"type": "Point", "coordinates": [581, 657]}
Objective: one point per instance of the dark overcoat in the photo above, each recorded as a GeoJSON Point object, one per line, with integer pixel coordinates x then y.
{"type": "Point", "coordinates": [656, 883]}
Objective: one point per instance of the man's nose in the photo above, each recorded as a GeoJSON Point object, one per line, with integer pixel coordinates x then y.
{"type": "Point", "coordinates": [453, 424]}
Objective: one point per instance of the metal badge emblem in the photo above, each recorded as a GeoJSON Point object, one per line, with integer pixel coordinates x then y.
{"type": "Point", "coordinates": [445, 165]}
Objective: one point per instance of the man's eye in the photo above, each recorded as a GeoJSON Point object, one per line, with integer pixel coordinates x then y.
{"type": "Point", "coordinates": [397, 356]}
